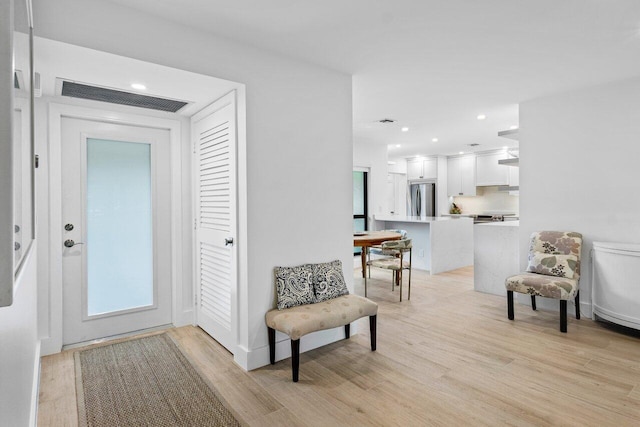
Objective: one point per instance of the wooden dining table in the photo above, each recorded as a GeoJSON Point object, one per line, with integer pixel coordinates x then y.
{"type": "Point", "coordinates": [366, 239]}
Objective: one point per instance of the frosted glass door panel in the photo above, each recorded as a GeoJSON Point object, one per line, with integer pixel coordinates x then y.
{"type": "Point", "coordinates": [119, 226]}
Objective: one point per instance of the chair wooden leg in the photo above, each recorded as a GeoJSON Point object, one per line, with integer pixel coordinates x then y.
{"type": "Point", "coordinates": [295, 359]}
{"type": "Point", "coordinates": [563, 315]}
{"type": "Point", "coordinates": [510, 304]}
{"type": "Point", "coordinates": [394, 280]}
{"type": "Point", "coordinates": [400, 288]}
{"type": "Point", "coordinates": [533, 302]}
{"type": "Point", "coordinates": [347, 331]}
{"type": "Point", "coordinates": [372, 331]}
{"type": "Point", "coordinates": [365, 285]}
{"type": "Point", "coordinates": [409, 293]}
{"type": "Point", "coordinates": [578, 305]}
{"type": "Point", "coordinates": [272, 345]}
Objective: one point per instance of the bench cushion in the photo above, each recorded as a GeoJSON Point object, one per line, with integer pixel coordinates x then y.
{"type": "Point", "coordinates": [304, 319]}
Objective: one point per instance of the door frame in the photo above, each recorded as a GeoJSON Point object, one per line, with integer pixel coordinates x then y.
{"type": "Point", "coordinates": [179, 315]}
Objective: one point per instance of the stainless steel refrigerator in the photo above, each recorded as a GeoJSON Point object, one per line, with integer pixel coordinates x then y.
{"type": "Point", "coordinates": [422, 199]}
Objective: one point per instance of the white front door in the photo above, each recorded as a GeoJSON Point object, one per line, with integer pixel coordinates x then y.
{"type": "Point", "coordinates": [214, 139]}
{"type": "Point", "coordinates": [116, 227]}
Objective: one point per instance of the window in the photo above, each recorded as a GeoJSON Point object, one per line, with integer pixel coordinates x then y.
{"type": "Point", "coordinates": [360, 202]}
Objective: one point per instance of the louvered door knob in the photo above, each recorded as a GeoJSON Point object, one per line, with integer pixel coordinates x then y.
{"type": "Point", "coordinates": [228, 241]}
{"type": "Point", "coordinates": [70, 243]}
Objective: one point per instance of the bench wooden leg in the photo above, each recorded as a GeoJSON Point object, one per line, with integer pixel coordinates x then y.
{"type": "Point", "coordinates": [372, 330]}
{"type": "Point", "coordinates": [533, 302]}
{"type": "Point", "coordinates": [295, 359]}
{"type": "Point", "coordinates": [272, 345]}
{"type": "Point", "coordinates": [510, 305]}
{"type": "Point", "coordinates": [347, 331]}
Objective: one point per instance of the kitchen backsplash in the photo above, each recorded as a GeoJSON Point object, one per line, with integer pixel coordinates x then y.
{"type": "Point", "coordinates": [487, 199]}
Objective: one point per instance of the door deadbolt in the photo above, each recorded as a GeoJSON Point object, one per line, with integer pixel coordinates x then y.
{"type": "Point", "coordinates": [70, 243]}
{"type": "Point", "coordinates": [68, 227]}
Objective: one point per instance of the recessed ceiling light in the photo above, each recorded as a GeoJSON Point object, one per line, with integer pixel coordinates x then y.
{"type": "Point", "coordinates": [138, 86]}
{"type": "Point", "coordinates": [481, 117]}
{"type": "Point", "coordinates": [397, 145]}
{"type": "Point", "coordinates": [505, 147]}
{"type": "Point", "coordinates": [514, 127]}
{"type": "Point", "coordinates": [461, 152]}
{"type": "Point", "coordinates": [405, 129]}
{"type": "Point", "coordinates": [391, 163]}
{"type": "Point", "coordinates": [434, 139]}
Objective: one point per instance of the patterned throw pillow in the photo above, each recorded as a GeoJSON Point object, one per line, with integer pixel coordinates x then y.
{"type": "Point", "coordinates": [294, 285]}
{"type": "Point", "coordinates": [553, 264]}
{"type": "Point", "coordinates": [328, 281]}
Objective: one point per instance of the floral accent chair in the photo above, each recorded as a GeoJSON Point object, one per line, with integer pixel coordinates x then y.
{"type": "Point", "coordinates": [396, 262]}
{"type": "Point", "coordinates": [553, 272]}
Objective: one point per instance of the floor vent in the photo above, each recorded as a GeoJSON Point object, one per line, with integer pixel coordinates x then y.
{"type": "Point", "coordinates": [95, 93]}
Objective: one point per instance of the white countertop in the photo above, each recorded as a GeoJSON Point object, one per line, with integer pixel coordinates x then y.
{"type": "Point", "coordinates": [423, 219]}
{"type": "Point", "coordinates": [499, 224]}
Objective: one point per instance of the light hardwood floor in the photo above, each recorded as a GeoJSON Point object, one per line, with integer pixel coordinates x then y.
{"type": "Point", "coordinates": [449, 356]}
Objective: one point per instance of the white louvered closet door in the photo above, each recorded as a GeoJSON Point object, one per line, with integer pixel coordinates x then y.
{"type": "Point", "coordinates": [214, 134]}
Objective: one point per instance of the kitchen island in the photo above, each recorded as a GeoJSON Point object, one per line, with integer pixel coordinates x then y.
{"type": "Point", "coordinates": [439, 243]}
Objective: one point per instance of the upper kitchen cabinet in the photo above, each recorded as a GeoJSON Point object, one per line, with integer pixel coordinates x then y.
{"type": "Point", "coordinates": [461, 176]}
{"type": "Point", "coordinates": [422, 168]}
{"type": "Point", "coordinates": [489, 171]}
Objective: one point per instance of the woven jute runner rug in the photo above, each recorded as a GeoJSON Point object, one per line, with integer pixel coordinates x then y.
{"type": "Point", "coordinates": [144, 382]}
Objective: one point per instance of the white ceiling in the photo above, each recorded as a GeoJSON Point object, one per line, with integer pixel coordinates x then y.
{"type": "Point", "coordinates": [434, 65]}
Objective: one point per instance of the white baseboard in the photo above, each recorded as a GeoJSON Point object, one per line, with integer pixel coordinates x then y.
{"type": "Point", "coordinates": [49, 346]}
{"type": "Point", "coordinates": [35, 387]}
{"type": "Point", "coordinates": [187, 317]}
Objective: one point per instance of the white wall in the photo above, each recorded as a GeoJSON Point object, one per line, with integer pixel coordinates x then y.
{"type": "Point", "coordinates": [20, 350]}
{"type": "Point", "coordinates": [294, 172]}
{"type": "Point", "coordinates": [373, 157]}
{"type": "Point", "coordinates": [579, 157]}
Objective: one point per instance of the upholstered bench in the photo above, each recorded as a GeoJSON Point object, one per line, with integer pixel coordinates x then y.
{"type": "Point", "coordinates": [314, 297]}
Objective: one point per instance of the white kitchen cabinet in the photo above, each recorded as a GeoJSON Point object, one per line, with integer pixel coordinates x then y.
{"type": "Point", "coordinates": [489, 172]}
{"type": "Point", "coordinates": [461, 176]}
{"type": "Point", "coordinates": [422, 168]}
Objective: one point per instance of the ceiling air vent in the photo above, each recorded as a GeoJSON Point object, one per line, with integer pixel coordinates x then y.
{"type": "Point", "coordinates": [113, 96]}
{"type": "Point", "coordinates": [474, 144]}
{"type": "Point", "coordinates": [386, 121]}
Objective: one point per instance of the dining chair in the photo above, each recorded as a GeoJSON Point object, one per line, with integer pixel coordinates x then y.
{"type": "Point", "coordinates": [396, 249]}
{"type": "Point", "coordinates": [377, 249]}
{"type": "Point", "coordinates": [553, 272]}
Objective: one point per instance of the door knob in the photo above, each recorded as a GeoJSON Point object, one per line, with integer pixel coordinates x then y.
{"type": "Point", "coordinates": [70, 243]}
{"type": "Point", "coordinates": [228, 241]}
